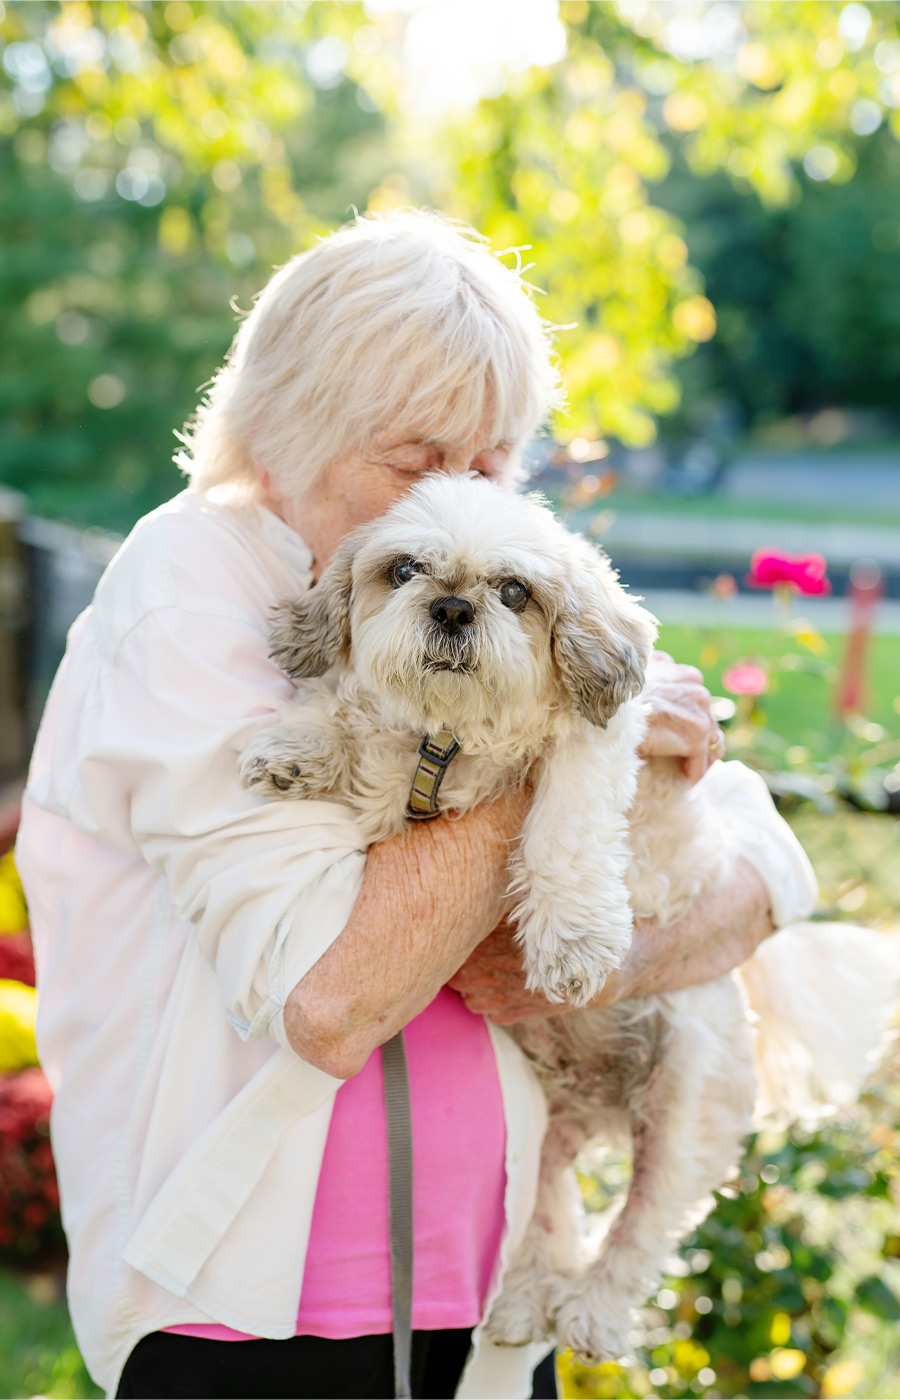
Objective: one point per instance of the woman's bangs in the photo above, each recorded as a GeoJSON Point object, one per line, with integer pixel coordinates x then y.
{"type": "Point", "coordinates": [484, 393]}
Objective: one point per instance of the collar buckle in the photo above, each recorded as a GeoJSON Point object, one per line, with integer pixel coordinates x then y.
{"type": "Point", "coordinates": [436, 752]}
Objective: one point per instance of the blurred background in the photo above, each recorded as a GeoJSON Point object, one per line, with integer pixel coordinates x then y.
{"type": "Point", "coordinates": [706, 194]}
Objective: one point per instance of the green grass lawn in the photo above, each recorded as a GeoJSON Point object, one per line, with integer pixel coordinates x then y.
{"type": "Point", "coordinates": [38, 1354]}
{"type": "Point", "coordinates": [799, 706]}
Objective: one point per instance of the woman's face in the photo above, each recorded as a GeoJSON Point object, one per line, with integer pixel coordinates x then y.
{"type": "Point", "coordinates": [360, 486]}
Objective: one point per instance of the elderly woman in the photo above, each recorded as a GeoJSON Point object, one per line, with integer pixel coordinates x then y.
{"type": "Point", "coordinates": [218, 972]}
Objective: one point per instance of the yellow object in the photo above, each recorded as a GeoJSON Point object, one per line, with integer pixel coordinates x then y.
{"type": "Point", "coordinates": [786, 1362]}
{"type": "Point", "coordinates": [689, 1357]}
{"type": "Point", "coordinates": [18, 1008]}
{"type": "Point", "coordinates": [807, 635]}
{"type": "Point", "coordinates": [695, 318]}
{"type": "Point", "coordinates": [781, 1329]}
{"type": "Point", "coordinates": [13, 910]}
{"type": "Point", "coordinates": [841, 1379]}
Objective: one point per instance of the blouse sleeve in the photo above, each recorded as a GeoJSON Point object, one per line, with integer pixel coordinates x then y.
{"type": "Point", "coordinates": [755, 831]}
{"type": "Point", "coordinates": [267, 885]}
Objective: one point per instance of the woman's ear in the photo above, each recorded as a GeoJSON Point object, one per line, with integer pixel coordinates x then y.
{"type": "Point", "coordinates": [602, 639]}
{"type": "Point", "coordinates": [310, 632]}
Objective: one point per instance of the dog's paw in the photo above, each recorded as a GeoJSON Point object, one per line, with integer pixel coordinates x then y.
{"type": "Point", "coordinates": [590, 1319]}
{"type": "Point", "coordinates": [274, 767]}
{"type": "Point", "coordinates": [271, 778]}
{"type": "Point", "coordinates": [568, 969]}
{"type": "Point", "coordinates": [517, 1318]}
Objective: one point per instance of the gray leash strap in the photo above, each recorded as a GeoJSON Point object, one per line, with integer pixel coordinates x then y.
{"type": "Point", "coordinates": [400, 1178]}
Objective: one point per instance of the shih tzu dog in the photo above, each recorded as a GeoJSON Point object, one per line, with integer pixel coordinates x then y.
{"type": "Point", "coordinates": [476, 635]}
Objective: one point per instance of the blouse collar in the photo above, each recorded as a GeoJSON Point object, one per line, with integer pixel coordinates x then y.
{"type": "Point", "coordinates": [290, 547]}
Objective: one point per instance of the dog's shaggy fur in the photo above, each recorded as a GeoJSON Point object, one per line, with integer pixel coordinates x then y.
{"type": "Point", "coordinates": [549, 673]}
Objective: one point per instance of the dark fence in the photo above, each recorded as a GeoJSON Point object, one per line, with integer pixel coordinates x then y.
{"type": "Point", "coordinates": [48, 573]}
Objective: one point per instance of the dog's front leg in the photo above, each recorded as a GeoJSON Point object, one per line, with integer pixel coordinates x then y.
{"type": "Point", "coordinates": [573, 914]}
{"type": "Point", "coordinates": [303, 756]}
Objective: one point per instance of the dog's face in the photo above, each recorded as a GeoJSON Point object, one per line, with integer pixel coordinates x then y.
{"type": "Point", "coordinates": [466, 603]}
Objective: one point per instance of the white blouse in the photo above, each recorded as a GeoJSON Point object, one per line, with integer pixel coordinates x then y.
{"type": "Point", "coordinates": [172, 913]}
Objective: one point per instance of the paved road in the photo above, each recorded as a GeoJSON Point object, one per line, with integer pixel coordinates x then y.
{"type": "Point", "coordinates": [867, 479]}
{"type": "Point", "coordinates": [695, 537]}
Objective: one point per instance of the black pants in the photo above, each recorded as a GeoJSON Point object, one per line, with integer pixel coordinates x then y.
{"type": "Point", "coordinates": [165, 1364]}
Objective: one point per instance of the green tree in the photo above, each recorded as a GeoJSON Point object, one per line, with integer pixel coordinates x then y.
{"type": "Point", "coordinates": [775, 95]}
{"type": "Point", "coordinates": [159, 158]}
{"type": "Point", "coordinates": [151, 159]}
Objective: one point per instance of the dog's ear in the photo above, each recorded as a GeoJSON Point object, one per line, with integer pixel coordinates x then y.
{"type": "Point", "coordinates": [310, 632]}
{"type": "Point", "coordinates": [602, 639]}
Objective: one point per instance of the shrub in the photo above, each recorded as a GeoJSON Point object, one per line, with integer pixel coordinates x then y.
{"type": "Point", "coordinates": [30, 1228]}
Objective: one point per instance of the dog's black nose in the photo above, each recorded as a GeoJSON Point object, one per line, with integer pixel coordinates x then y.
{"type": "Point", "coordinates": [452, 613]}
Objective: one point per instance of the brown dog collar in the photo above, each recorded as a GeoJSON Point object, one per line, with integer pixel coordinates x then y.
{"type": "Point", "coordinates": [436, 752]}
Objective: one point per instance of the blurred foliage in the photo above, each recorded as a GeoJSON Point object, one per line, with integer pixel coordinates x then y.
{"type": "Point", "coordinates": [38, 1353]}
{"type": "Point", "coordinates": [31, 1230]}
{"type": "Point", "coordinates": [792, 1286]}
{"type": "Point", "coordinates": [157, 160]}
{"type": "Point", "coordinates": [778, 96]}
{"type": "Point", "coordinates": [13, 912]}
{"type": "Point", "coordinates": [151, 160]}
{"type": "Point", "coordinates": [807, 296]}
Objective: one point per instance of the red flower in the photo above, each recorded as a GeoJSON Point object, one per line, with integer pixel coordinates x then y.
{"type": "Point", "coordinates": [805, 572]}
{"type": "Point", "coordinates": [17, 958]}
{"type": "Point", "coordinates": [745, 678]}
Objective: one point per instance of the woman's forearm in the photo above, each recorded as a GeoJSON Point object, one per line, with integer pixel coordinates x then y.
{"type": "Point", "coordinates": [720, 930]}
{"type": "Point", "coordinates": [428, 898]}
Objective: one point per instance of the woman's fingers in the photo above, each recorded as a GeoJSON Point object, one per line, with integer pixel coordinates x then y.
{"type": "Point", "coordinates": [492, 981]}
{"type": "Point", "coordinates": [680, 722]}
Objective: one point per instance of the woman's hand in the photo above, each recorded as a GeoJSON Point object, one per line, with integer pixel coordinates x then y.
{"type": "Point", "coordinates": [680, 723]}
{"type": "Point", "coordinates": [721, 929]}
{"type": "Point", "coordinates": [492, 981]}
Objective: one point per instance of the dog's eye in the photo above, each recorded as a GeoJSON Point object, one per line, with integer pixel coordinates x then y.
{"type": "Point", "coordinates": [513, 594]}
{"type": "Point", "coordinates": [403, 571]}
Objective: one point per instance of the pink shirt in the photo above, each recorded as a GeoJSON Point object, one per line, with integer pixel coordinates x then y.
{"type": "Point", "coordinates": [459, 1142]}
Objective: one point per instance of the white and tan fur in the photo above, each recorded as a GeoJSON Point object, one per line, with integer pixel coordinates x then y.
{"type": "Point", "coordinates": [557, 680]}
{"type": "Point", "coordinates": [605, 840]}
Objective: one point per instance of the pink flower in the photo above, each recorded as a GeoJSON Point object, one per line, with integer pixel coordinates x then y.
{"type": "Point", "coordinates": [805, 572]}
{"type": "Point", "coordinates": [745, 678]}
{"type": "Point", "coordinates": [724, 586]}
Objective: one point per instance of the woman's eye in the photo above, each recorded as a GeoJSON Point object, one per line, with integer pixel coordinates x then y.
{"type": "Point", "coordinates": [412, 460]}
{"type": "Point", "coordinates": [403, 571]}
{"type": "Point", "coordinates": [490, 464]}
{"type": "Point", "coordinates": [411, 468]}
{"type": "Point", "coordinates": [513, 594]}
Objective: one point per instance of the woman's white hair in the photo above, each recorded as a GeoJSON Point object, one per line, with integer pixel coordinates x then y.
{"type": "Point", "coordinates": [407, 323]}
